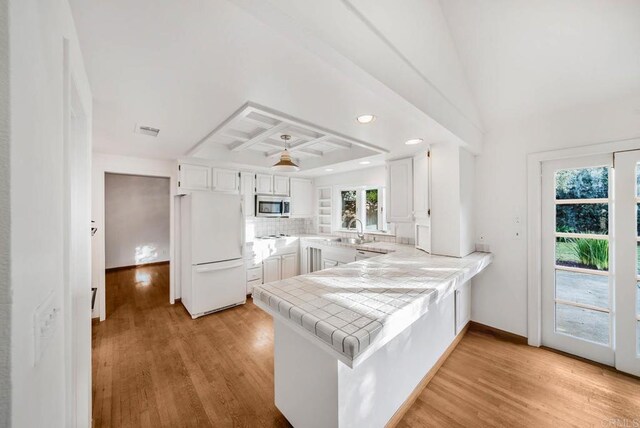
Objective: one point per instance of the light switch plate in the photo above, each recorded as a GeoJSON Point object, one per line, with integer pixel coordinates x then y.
{"type": "Point", "coordinates": [45, 323]}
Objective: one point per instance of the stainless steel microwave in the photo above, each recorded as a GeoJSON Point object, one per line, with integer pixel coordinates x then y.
{"type": "Point", "coordinates": [272, 206]}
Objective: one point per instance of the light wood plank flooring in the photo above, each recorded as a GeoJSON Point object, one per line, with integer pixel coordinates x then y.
{"type": "Point", "coordinates": [154, 366]}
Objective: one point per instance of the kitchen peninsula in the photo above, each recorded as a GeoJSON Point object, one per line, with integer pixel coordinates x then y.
{"type": "Point", "coordinates": [354, 341]}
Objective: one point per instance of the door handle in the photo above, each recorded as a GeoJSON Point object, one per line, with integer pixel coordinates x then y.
{"type": "Point", "coordinates": [220, 266]}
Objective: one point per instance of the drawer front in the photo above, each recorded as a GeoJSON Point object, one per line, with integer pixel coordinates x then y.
{"type": "Point", "coordinates": [251, 284]}
{"type": "Point", "coordinates": [254, 274]}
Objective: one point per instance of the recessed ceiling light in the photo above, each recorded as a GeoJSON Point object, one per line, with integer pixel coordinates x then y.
{"type": "Point", "coordinates": [329, 169]}
{"type": "Point", "coordinates": [413, 141]}
{"type": "Point", "coordinates": [365, 118]}
{"type": "Point", "coordinates": [365, 163]}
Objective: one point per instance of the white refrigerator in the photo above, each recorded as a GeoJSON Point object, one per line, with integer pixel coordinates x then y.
{"type": "Point", "coordinates": [212, 252]}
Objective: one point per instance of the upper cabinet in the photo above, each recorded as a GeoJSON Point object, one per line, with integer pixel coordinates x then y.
{"type": "Point", "coordinates": [400, 191]}
{"type": "Point", "coordinates": [272, 185]}
{"type": "Point", "coordinates": [201, 177]}
{"type": "Point", "coordinates": [193, 177]}
{"type": "Point", "coordinates": [421, 180]}
{"type": "Point", "coordinates": [301, 197]}
{"type": "Point", "coordinates": [264, 184]}
{"type": "Point", "coordinates": [247, 190]}
{"type": "Point", "coordinates": [225, 180]}
{"type": "Point", "coordinates": [280, 185]}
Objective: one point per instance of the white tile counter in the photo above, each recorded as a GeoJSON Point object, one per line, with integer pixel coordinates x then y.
{"type": "Point", "coordinates": [356, 308]}
{"type": "Point", "coordinates": [352, 342]}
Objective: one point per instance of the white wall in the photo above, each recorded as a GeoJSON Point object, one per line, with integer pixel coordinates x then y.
{"type": "Point", "coordinates": [38, 99]}
{"type": "Point", "coordinates": [137, 219]}
{"type": "Point", "coordinates": [374, 176]}
{"type": "Point", "coordinates": [103, 164]}
{"type": "Point", "coordinates": [5, 218]}
{"type": "Point", "coordinates": [500, 292]}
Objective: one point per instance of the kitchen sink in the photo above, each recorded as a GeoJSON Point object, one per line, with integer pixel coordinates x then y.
{"type": "Point", "coordinates": [353, 241]}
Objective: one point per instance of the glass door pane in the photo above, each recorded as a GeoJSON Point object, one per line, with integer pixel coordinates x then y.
{"type": "Point", "coordinates": [582, 253]}
{"type": "Point", "coordinates": [576, 281]}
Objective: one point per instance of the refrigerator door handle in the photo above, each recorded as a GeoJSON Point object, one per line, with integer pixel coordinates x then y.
{"type": "Point", "coordinates": [242, 229]}
{"type": "Point", "coordinates": [220, 266]}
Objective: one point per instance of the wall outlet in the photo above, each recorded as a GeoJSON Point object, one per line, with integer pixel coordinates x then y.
{"type": "Point", "coordinates": [45, 323]}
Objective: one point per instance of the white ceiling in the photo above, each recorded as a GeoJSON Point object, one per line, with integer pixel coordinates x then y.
{"type": "Point", "coordinates": [253, 134]}
{"type": "Point", "coordinates": [185, 68]}
{"type": "Point", "coordinates": [445, 71]}
{"type": "Point", "coordinates": [526, 57]}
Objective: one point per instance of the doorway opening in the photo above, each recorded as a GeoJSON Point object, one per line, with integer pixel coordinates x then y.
{"type": "Point", "coordinates": [137, 238]}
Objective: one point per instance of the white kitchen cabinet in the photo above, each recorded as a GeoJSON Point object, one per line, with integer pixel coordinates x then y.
{"type": "Point", "coordinates": [301, 197]}
{"type": "Point", "coordinates": [289, 266]}
{"type": "Point", "coordinates": [400, 191]}
{"type": "Point", "coordinates": [280, 185]}
{"type": "Point", "coordinates": [421, 179]}
{"type": "Point", "coordinates": [422, 201]}
{"type": "Point", "coordinates": [247, 190]}
{"type": "Point", "coordinates": [304, 259]}
{"type": "Point", "coordinates": [225, 180]}
{"type": "Point", "coordinates": [264, 184]}
{"type": "Point", "coordinates": [193, 177]}
{"type": "Point", "coordinates": [463, 305]}
{"type": "Point", "coordinates": [254, 278]}
{"type": "Point", "coordinates": [271, 269]}
{"type": "Point", "coordinates": [251, 284]}
{"type": "Point", "coordinates": [276, 268]}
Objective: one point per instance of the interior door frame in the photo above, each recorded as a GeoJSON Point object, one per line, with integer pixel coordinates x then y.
{"type": "Point", "coordinates": [76, 247]}
{"type": "Point", "coordinates": [99, 174]}
{"type": "Point", "coordinates": [534, 224]}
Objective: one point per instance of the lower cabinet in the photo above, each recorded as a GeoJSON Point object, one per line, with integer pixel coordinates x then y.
{"type": "Point", "coordinates": [288, 266]}
{"type": "Point", "coordinates": [276, 268]}
{"type": "Point", "coordinates": [271, 270]}
{"type": "Point", "coordinates": [254, 278]}
{"type": "Point", "coordinates": [463, 305]}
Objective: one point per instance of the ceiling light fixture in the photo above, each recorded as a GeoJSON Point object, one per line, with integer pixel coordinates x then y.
{"type": "Point", "coordinates": [329, 169]}
{"type": "Point", "coordinates": [285, 164]}
{"type": "Point", "coordinates": [413, 141]}
{"type": "Point", "coordinates": [366, 118]}
{"type": "Point", "coordinates": [365, 163]}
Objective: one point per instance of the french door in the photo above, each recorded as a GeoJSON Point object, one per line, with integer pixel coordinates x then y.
{"type": "Point", "coordinates": [627, 246]}
{"type": "Point", "coordinates": [590, 302]}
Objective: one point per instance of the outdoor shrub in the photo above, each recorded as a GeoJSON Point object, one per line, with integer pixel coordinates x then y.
{"type": "Point", "coordinates": [592, 252]}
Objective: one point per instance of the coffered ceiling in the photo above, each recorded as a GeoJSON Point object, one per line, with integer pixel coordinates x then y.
{"type": "Point", "coordinates": [259, 129]}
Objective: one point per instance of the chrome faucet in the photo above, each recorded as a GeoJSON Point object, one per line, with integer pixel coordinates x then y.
{"type": "Point", "coordinates": [357, 220]}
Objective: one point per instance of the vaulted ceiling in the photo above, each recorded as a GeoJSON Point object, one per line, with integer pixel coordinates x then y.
{"type": "Point", "coordinates": [524, 57]}
{"type": "Point", "coordinates": [445, 71]}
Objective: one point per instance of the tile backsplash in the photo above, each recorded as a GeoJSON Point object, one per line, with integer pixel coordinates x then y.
{"type": "Point", "coordinates": [257, 226]}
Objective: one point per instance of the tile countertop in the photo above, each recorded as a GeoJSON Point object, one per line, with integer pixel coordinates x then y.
{"type": "Point", "coordinates": [357, 308]}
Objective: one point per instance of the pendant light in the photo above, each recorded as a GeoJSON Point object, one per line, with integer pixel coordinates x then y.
{"type": "Point", "coordinates": [285, 164]}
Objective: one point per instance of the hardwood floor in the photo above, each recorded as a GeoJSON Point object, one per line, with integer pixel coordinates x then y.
{"type": "Point", "coordinates": [155, 366]}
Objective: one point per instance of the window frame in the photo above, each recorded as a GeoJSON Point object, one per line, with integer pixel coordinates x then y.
{"type": "Point", "coordinates": [361, 214]}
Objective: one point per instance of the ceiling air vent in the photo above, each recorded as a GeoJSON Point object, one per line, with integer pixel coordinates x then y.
{"type": "Point", "coordinates": [147, 130]}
